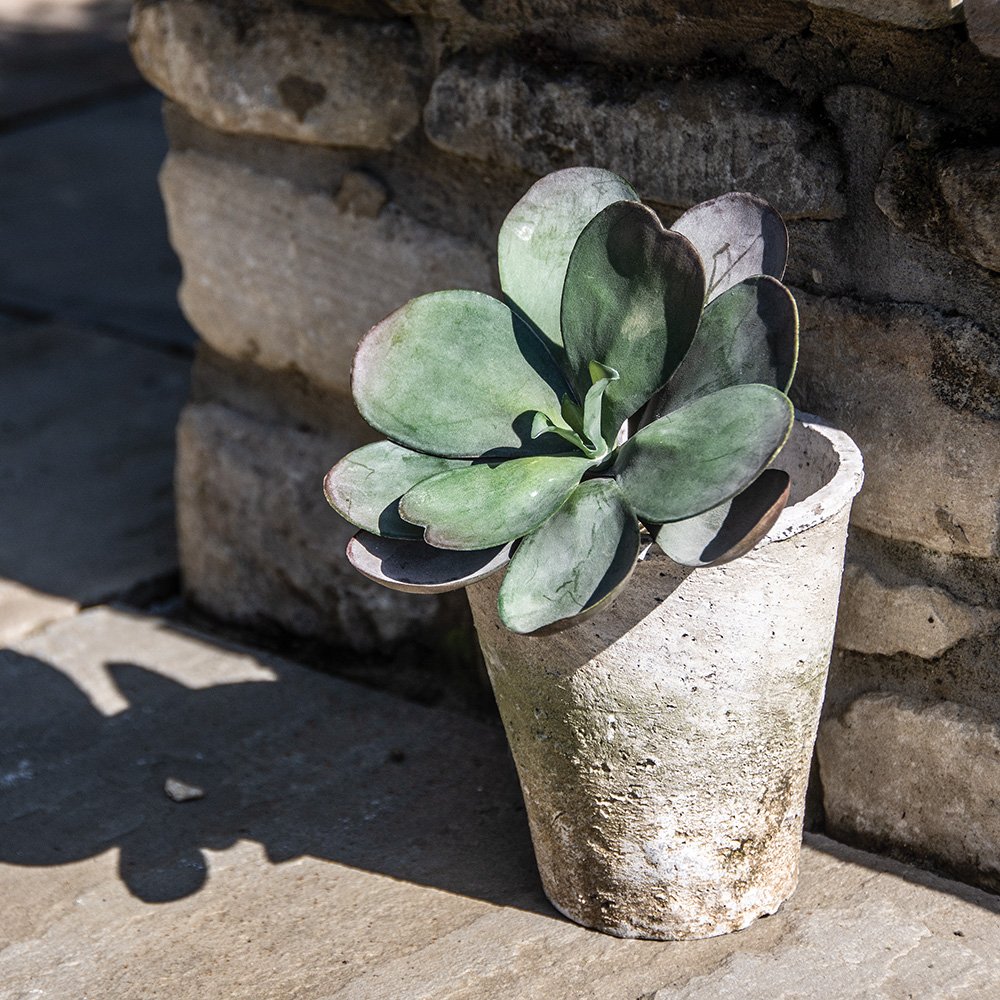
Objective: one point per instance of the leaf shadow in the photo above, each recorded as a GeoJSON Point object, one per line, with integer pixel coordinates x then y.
{"type": "Point", "coordinates": [302, 764]}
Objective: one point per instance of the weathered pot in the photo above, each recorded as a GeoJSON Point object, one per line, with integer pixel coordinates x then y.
{"type": "Point", "coordinates": [664, 746]}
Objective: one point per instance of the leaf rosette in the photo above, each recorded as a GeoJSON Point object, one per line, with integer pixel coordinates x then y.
{"type": "Point", "coordinates": [632, 378]}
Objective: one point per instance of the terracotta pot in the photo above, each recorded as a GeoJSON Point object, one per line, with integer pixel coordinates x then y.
{"type": "Point", "coordinates": [664, 746]}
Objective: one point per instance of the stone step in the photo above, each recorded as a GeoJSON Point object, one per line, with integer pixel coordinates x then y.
{"type": "Point", "coordinates": [183, 818]}
{"type": "Point", "coordinates": [87, 455]}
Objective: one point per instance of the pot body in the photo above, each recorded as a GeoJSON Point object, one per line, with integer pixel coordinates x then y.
{"type": "Point", "coordinates": [664, 746]}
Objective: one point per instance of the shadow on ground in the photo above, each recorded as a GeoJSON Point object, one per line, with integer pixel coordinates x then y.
{"type": "Point", "coordinates": [301, 764]}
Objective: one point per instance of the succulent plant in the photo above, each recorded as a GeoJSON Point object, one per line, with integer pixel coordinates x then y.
{"type": "Point", "coordinates": [632, 378]}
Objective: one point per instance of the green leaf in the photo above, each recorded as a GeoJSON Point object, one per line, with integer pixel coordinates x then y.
{"type": "Point", "coordinates": [575, 563]}
{"type": "Point", "coordinates": [415, 567]}
{"type": "Point", "coordinates": [632, 299]}
{"type": "Point", "coordinates": [730, 530]}
{"type": "Point", "coordinates": [491, 504]}
{"type": "Point", "coordinates": [737, 236]}
{"type": "Point", "coordinates": [750, 333]}
{"type": "Point", "coordinates": [457, 374]}
{"type": "Point", "coordinates": [699, 456]}
{"type": "Point", "coordinates": [364, 487]}
{"type": "Point", "coordinates": [538, 235]}
{"type": "Point", "coordinates": [593, 409]}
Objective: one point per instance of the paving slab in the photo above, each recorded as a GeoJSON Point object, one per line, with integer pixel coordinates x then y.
{"type": "Point", "coordinates": [346, 844]}
{"type": "Point", "coordinates": [86, 465]}
{"type": "Point", "coordinates": [84, 234]}
{"type": "Point", "coordinates": [58, 52]}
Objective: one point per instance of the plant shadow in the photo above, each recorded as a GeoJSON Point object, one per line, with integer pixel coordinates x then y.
{"type": "Point", "coordinates": [301, 764]}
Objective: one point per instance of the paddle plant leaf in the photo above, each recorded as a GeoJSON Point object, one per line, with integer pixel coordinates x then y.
{"type": "Point", "coordinates": [737, 236]}
{"type": "Point", "coordinates": [491, 504]}
{"type": "Point", "coordinates": [631, 301]}
{"type": "Point", "coordinates": [414, 567]}
{"type": "Point", "coordinates": [538, 235]}
{"type": "Point", "coordinates": [700, 455]}
{"type": "Point", "coordinates": [730, 530]}
{"type": "Point", "coordinates": [750, 333]}
{"type": "Point", "coordinates": [364, 487]}
{"type": "Point", "coordinates": [575, 563]}
{"type": "Point", "coordinates": [457, 374]}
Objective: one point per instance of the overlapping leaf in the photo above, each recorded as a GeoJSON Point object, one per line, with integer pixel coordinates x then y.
{"type": "Point", "coordinates": [700, 455]}
{"type": "Point", "coordinates": [730, 530]}
{"type": "Point", "coordinates": [538, 235]}
{"type": "Point", "coordinates": [457, 374]}
{"type": "Point", "coordinates": [364, 487]}
{"type": "Point", "coordinates": [491, 504]}
{"type": "Point", "coordinates": [575, 563]}
{"type": "Point", "coordinates": [631, 301]}
{"type": "Point", "coordinates": [748, 334]}
{"type": "Point", "coordinates": [737, 236]}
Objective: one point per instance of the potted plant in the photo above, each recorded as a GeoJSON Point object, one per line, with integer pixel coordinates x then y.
{"type": "Point", "coordinates": [619, 415]}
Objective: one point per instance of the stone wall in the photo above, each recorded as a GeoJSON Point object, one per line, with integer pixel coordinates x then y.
{"type": "Point", "coordinates": [331, 159]}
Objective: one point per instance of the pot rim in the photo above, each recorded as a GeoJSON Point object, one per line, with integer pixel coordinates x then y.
{"type": "Point", "coordinates": [831, 498]}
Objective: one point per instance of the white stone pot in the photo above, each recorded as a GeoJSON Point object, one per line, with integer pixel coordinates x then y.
{"type": "Point", "coordinates": [664, 746]}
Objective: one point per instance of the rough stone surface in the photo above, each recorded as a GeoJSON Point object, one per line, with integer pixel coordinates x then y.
{"type": "Point", "coordinates": [970, 184]}
{"type": "Point", "coordinates": [84, 233]}
{"type": "Point", "coordinates": [630, 32]}
{"type": "Point", "coordinates": [288, 280]}
{"type": "Point", "coordinates": [887, 618]}
{"type": "Point", "coordinates": [864, 255]}
{"type": "Point", "coordinates": [678, 143]}
{"type": "Point", "coordinates": [952, 199]}
{"type": "Point", "coordinates": [906, 13]}
{"type": "Point", "coordinates": [291, 73]}
{"type": "Point", "coordinates": [86, 447]}
{"type": "Point", "coordinates": [922, 777]}
{"type": "Point", "coordinates": [351, 845]}
{"type": "Point", "coordinates": [260, 545]}
{"type": "Point", "coordinates": [916, 391]}
{"type": "Point", "coordinates": [982, 19]}
{"type": "Point", "coordinates": [689, 682]}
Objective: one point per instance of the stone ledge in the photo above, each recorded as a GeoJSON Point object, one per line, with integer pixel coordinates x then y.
{"type": "Point", "coordinates": [904, 13]}
{"type": "Point", "coordinates": [353, 846]}
{"type": "Point", "coordinates": [293, 74]}
{"type": "Point", "coordinates": [260, 546]}
{"type": "Point", "coordinates": [677, 143]}
{"type": "Point", "coordinates": [289, 280]}
{"type": "Point", "coordinates": [885, 618]}
{"type": "Point", "coordinates": [913, 388]}
{"type": "Point", "coordinates": [922, 777]}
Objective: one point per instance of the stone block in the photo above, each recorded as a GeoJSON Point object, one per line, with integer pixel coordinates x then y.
{"type": "Point", "coordinates": [982, 19]}
{"type": "Point", "coordinates": [678, 143]}
{"type": "Point", "coordinates": [970, 185]}
{"type": "Point", "coordinates": [919, 777]}
{"type": "Point", "coordinates": [259, 545]}
{"type": "Point", "coordinates": [287, 279]}
{"type": "Point", "coordinates": [629, 32]}
{"type": "Point", "coordinates": [285, 71]}
{"type": "Point", "coordinates": [918, 393]}
{"type": "Point", "coordinates": [905, 13]}
{"type": "Point", "coordinates": [952, 199]}
{"type": "Point", "coordinates": [887, 618]}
